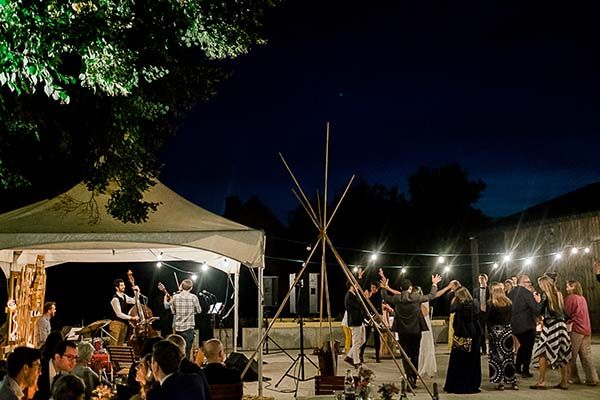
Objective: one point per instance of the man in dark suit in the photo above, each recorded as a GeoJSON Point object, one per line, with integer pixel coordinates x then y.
{"type": "Point", "coordinates": [216, 371]}
{"type": "Point", "coordinates": [525, 309]}
{"type": "Point", "coordinates": [62, 361]}
{"type": "Point", "coordinates": [23, 369]}
{"type": "Point", "coordinates": [482, 294]}
{"type": "Point", "coordinates": [407, 320]}
{"type": "Point", "coordinates": [174, 385]}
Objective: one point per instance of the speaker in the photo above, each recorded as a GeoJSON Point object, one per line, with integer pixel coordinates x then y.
{"type": "Point", "coordinates": [239, 361]}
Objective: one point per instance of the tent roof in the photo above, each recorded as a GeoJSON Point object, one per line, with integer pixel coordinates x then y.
{"type": "Point", "coordinates": [75, 227]}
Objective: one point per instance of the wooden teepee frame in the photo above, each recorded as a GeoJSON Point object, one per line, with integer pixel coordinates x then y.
{"type": "Point", "coordinates": [321, 221]}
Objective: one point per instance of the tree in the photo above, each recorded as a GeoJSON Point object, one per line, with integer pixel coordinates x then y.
{"type": "Point", "coordinates": [91, 90]}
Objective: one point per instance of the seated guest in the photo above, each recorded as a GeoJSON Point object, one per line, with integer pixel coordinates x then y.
{"type": "Point", "coordinates": [83, 370]}
{"type": "Point", "coordinates": [144, 377]}
{"type": "Point", "coordinates": [133, 385]}
{"type": "Point", "coordinates": [174, 385]}
{"type": "Point", "coordinates": [216, 371]}
{"type": "Point", "coordinates": [186, 366]}
{"type": "Point", "coordinates": [64, 358]}
{"type": "Point", "coordinates": [23, 370]}
{"type": "Point", "coordinates": [68, 387]}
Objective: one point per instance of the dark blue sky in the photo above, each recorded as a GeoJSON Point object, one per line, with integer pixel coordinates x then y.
{"type": "Point", "coordinates": [508, 90]}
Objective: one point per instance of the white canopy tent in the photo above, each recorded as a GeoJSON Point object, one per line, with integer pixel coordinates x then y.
{"type": "Point", "coordinates": [75, 227]}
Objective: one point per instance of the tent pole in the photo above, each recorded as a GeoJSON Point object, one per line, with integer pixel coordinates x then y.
{"type": "Point", "coordinates": [236, 310]}
{"type": "Point", "coordinates": [260, 328]}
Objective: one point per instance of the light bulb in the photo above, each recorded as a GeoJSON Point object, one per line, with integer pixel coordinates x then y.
{"type": "Point", "coordinates": [528, 261]}
{"type": "Point", "coordinates": [586, 250]}
{"type": "Point", "coordinates": [194, 277]}
{"type": "Point", "coordinates": [507, 258]}
{"type": "Point", "coordinates": [373, 256]}
{"type": "Point", "coordinates": [558, 256]}
{"type": "Point", "coordinates": [158, 264]}
{"type": "Point", "coordinates": [441, 259]}
{"type": "Point", "coordinates": [204, 267]}
{"type": "Point", "coordinates": [495, 265]}
{"type": "Point", "coordinates": [574, 250]}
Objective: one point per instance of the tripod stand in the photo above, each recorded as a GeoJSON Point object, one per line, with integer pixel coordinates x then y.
{"type": "Point", "coordinates": [301, 356]}
{"type": "Point", "coordinates": [269, 338]}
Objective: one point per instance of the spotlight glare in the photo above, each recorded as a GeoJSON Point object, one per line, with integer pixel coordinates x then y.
{"type": "Point", "coordinates": [574, 250]}
{"type": "Point", "coordinates": [194, 277]}
{"type": "Point", "coordinates": [586, 250]}
{"type": "Point", "coordinates": [373, 256]}
{"type": "Point", "coordinates": [441, 259]}
{"type": "Point", "coordinates": [528, 261]}
{"type": "Point", "coordinates": [495, 265]}
{"type": "Point", "coordinates": [507, 258]}
{"type": "Point", "coordinates": [158, 264]}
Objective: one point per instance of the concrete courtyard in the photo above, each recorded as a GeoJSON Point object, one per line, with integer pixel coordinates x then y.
{"type": "Point", "coordinates": [386, 372]}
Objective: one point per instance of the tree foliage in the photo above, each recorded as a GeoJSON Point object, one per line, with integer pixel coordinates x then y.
{"type": "Point", "coordinates": [92, 89]}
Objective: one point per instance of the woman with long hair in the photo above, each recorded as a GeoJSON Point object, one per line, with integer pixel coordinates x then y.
{"type": "Point", "coordinates": [501, 357]}
{"type": "Point", "coordinates": [576, 309]}
{"type": "Point", "coordinates": [554, 347]}
{"type": "Point", "coordinates": [145, 377]}
{"type": "Point", "coordinates": [464, 367]}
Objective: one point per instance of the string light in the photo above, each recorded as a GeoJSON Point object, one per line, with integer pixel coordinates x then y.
{"type": "Point", "coordinates": [528, 261]}
{"type": "Point", "coordinates": [495, 265]}
{"type": "Point", "coordinates": [354, 270]}
{"type": "Point", "coordinates": [403, 270]}
{"type": "Point", "coordinates": [558, 256]}
{"type": "Point", "coordinates": [158, 264]}
{"type": "Point", "coordinates": [194, 277]}
{"type": "Point", "coordinates": [204, 267]}
{"type": "Point", "coordinates": [574, 250]}
{"type": "Point", "coordinates": [441, 260]}
{"type": "Point", "coordinates": [507, 258]}
{"type": "Point", "coordinates": [374, 257]}
{"type": "Point", "coordinates": [586, 250]}
{"type": "Point", "coordinates": [447, 268]}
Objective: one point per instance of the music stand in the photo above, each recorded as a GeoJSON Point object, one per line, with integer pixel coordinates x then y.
{"type": "Point", "coordinates": [301, 356]}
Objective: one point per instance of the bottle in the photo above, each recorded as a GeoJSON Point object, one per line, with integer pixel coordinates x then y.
{"type": "Point", "coordinates": [349, 388]}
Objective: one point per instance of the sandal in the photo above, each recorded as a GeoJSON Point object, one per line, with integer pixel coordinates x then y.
{"type": "Point", "coordinates": [559, 386]}
{"type": "Point", "coordinates": [538, 387]}
{"type": "Point", "coordinates": [515, 386]}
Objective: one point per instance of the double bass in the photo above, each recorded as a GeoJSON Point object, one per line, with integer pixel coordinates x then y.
{"type": "Point", "coordinates": [141, 328]}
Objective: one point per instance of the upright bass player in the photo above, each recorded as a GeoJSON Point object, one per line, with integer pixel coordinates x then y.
{"type": "Point", "coordinates": [118, 326]}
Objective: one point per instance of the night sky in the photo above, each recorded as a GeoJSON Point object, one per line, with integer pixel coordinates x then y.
{"type": "Point", "coordinates": [508, 89]}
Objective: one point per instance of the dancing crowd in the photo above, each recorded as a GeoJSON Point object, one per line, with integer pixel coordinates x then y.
{"type": "Point", "coordinates": [511, 322]}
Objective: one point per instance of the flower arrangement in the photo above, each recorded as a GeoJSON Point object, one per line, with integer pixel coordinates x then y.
{"type": "Point", "coordinates": [365, 376]}
{"type": "Point", "coordinates": [102, 392]}
{"type": "Point", "coordinates": [388, 390]}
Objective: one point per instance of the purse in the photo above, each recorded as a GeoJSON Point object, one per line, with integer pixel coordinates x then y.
{"type": "Point", "coordinates": [462, 343]}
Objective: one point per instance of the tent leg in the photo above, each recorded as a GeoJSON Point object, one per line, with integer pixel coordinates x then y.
{"type": "Point", "coordinates": [260, 329]}
{"type": "Point", "coordinates": [236, 314]}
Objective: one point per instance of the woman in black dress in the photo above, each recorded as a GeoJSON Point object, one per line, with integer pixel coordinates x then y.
{"type": "Point", "coordinates": [501, 356]}
{"type": "Point", "coordinates": [464, 367]}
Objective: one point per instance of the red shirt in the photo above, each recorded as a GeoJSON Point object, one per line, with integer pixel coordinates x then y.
{"type": "Point", "coordinates": [577, 309]}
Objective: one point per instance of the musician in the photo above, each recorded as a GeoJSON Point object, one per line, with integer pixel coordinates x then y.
{"type": "Point", "coordinates": [42, 326]}
{"type": "Point", "coordinates": [184, 306]}
{"type": "Point", "coordinates": [118, 326]}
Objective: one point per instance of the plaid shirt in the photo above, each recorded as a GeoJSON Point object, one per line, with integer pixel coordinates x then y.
{"type": "Point", "coordinates": [184, 306]}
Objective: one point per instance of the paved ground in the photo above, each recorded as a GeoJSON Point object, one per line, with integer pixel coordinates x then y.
{"type": "Point", "coordinates": [386, 372]}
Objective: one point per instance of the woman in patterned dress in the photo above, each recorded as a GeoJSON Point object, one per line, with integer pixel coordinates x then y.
{"type": "Point", "coordinates": [554, 347]}
{"type": "Point", "coordinates": [501, 357]}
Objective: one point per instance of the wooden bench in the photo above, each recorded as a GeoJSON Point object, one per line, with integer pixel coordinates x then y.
{"type": "Point", "coordinates": [329, 384]}
{"type": "Point", "coordinates": [121, 359]}
{"type": "Point", "coordinates": [226, 391]}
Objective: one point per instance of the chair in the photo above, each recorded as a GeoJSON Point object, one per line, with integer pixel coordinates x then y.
{"type": "Point", "coordinates": [121, 358]}
{"type": "Point", "coordinates": [226, 391]}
